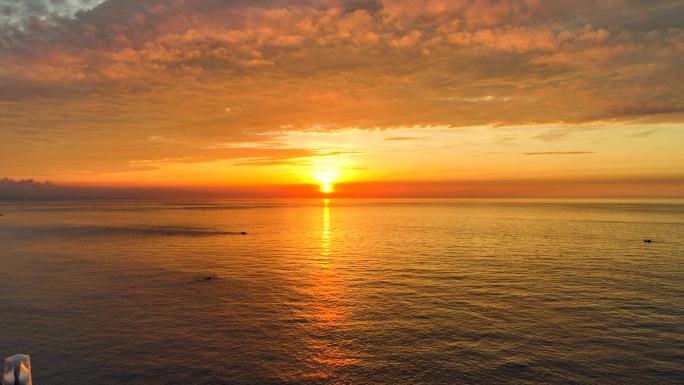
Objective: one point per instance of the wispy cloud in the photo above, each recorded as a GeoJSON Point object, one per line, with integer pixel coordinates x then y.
{"type": "Point", "coordinates": [644, 134]}
{"type": "Point", "coordinates": [559, 153]}
{"type": "Point", "coordinates": [482, 99]}
{"type": "Point", "coordinates": [405, 138]}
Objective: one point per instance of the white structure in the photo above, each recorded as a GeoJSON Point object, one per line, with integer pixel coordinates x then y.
{"type": "Point", "coordinates": [17, 370]}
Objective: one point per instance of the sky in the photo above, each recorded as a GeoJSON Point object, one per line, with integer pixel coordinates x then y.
{"type": "Point", "coordinates": [480, 98]}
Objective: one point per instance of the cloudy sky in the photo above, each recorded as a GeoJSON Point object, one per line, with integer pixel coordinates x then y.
{"type": "Point", "coordinates": [395, 92]}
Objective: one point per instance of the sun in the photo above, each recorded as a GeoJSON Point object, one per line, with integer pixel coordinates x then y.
{"type": "Point", "coordinates": [325, 179]}
{"type": "Point", "coordinates": [327, 171]}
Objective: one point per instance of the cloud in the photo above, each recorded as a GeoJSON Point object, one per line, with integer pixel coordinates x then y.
{"type": "Point", "coordinates": [29, 13]}
{"type": "Point", "coordinates": [80, 79]}
{"type": "Point", "coordinates": [11, 189]}
{"type": "Point", "coordinates": [405, 138]}
{"type": "Point", "coordinates": [482, 99]}
{"type": "Point", "coordinates": [29, 190]}
{"type": "Point", "coordinates": [643, 134]}
{"type": "Point", "coordinates": [518, 188]}
{"type": "Point", "coordinates": [649, 108]}
{"type": "Point", "coordinates": [265, 162]}
{"type": "Point", "coordinates": [7, 183]}
{"type": "Point", "coordinates": [559, 153]}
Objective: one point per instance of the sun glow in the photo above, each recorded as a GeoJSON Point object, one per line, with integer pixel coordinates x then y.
{"type": "Point", "coordinates": [329, 170]}
{"type": "Point", "coordinates": [325, 176]}
{"type": "Point", "coordinates": [326, 188]}
{"type": "Point", "coordinates": [325, 179]}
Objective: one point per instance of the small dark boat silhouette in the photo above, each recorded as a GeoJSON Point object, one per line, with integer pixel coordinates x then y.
{"type": "Point", "coordinates": [648, 241]}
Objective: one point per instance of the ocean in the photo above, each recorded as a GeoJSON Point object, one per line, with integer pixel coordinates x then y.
{"type": "Point", "coordinates": [344, 292]}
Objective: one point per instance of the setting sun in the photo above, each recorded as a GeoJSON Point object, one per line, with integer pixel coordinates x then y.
{"type": "Point", "coordinates": [326, 188]}
{"type": "Point", "coordinates": [325, 176]}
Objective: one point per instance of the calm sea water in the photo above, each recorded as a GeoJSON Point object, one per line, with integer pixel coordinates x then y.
{"type": "Point", "coordinates": [420, 292]}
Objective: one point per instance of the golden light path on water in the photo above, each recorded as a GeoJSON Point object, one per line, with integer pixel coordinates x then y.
{"type": "Point", "coordinates": [325, 236]}
{"type": "Point", "coordinates": [330, 357]}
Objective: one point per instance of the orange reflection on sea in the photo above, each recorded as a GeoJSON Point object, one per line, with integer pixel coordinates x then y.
{"type": "Point", "coordinates": [325, 235]}
{"type": "Point", "coordinates": [330, 355]}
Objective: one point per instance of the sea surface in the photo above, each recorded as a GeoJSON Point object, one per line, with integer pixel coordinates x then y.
{"type": "Point", "coordinates": [344, 292]}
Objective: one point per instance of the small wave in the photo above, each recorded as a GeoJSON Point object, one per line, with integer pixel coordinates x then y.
{"type": "Point", "coordinates": [89, 230]}
{"type": "Point", "coordinates": [110, 208]}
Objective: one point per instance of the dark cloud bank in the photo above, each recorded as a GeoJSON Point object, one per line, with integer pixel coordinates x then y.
{"type": "Point", "coordinates": [27, 190]}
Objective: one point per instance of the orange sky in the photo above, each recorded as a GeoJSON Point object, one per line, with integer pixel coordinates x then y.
{"type": "Point", "coordinates": [449, 98]}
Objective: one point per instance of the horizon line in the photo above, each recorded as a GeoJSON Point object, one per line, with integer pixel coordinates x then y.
{"type": "Point", "coordinates": [613, 188]}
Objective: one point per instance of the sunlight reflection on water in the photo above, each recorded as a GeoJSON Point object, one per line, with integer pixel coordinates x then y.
{"type": "Point", "coordinates": [322, 292]}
